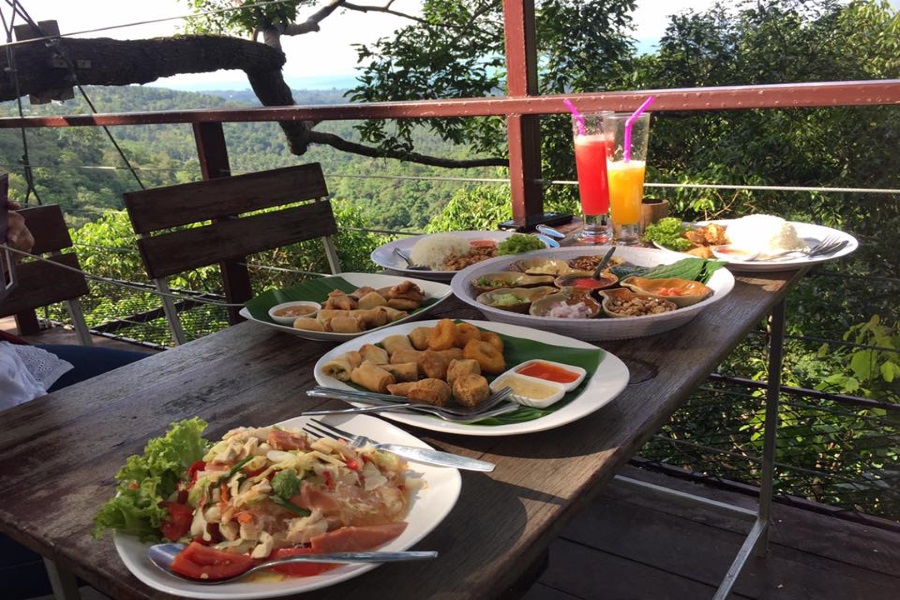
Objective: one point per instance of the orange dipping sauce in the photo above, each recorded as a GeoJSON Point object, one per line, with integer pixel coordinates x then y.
{"type": "Point", "coordinates": [549, 372]}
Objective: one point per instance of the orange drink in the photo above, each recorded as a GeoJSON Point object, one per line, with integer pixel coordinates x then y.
{"type": "Point", "coordinates": [626, 189]}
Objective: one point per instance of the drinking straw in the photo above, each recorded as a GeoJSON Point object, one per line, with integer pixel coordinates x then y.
{"type": "Point", "coordinates": [579, 118]}
{"type": "Point", "coordinates": [630, 122]}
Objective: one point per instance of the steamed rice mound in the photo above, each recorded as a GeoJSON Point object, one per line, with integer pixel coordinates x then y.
{"type": "Point", "coordinates": [434, 250]}
{"type": "Point", "coordinates": [763, 233]}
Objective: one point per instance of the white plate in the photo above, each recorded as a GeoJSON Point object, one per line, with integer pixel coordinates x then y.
{"type": "Point", "coordinates": [808, 232]}
{"type": "Point", "coordinates": [385, 257]}
{"type": "Point", "coordinates": [608, 381]}
{"type": "Point", "coordinates": [432, 289]}
{"type": "Point", "coordinates": [430, 506]}
{"type": "Point", "coordinates": [721, 283]}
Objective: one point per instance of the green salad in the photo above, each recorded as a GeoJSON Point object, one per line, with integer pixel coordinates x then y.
{"type": "Point", "coordinates": [518, 243]}
{"type": "Point", "coordinates": [669, 233]}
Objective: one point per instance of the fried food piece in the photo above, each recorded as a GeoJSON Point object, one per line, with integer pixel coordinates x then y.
{"type": "Point", "coordinates": [340, 367]}
{"type": "Point", "coordinates": [404, 356]}
{"type": "Point", "coordinates": [346, 324]}
{"type": "Point", "coordinates": [393, 314]}
{"type": "Point", "coordinates": [430, 391]}
{"type": "Point", "coordinates": [403, 371]}
{"type": "Point", "coordinates": [419, 336]}
{"type": "Point", "coordinates": [451, 353]}
{"type": "Point", "coordinates": [393, 343]}
{"type": "Point", "coordinates": [359, 292]}
{"type": "Point", "coordinates": [371, 300]}
{"type": "Point", "coordinates": [406, 290]}
{"type": "Point", "coordinates": [489, 358]}
{"type": "Point", "coordinates": [372, 317]}
{"type": "Point", "coordinates": [375, 354]}
{"type": "Point", "coordinates": [458, 368]}
{"type": "Point", "coordinates": [470, 389]}
{"type": "Point", "coordinates": [434, 364]}
{"type": "Point", "coordinates": [340, 300]}
{"type": "Point", "coordinates": [308, 324]}
{"type": "Point", "coordinates": [372, 377]}
{"type": "Point", "coordinates": [400, 389]}
{"type": "Point", "coordinates": [493, 339]}
{"type": "Point", "coordinates": [464, 333]}
{"type": "Point", "coordinates": [701, 252]}
{"type": "Point", "coordinates": [443, 335]}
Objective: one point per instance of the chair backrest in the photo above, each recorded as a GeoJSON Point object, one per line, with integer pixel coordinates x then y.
{"type": "Point", "coordinates": [40, 283]}
{"type": "Point", "coordinates": [223, 232]}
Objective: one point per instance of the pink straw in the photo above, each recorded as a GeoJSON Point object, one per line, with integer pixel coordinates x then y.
{"type": "Point", "coordinates": [630, 122]}
{"type": "Point", "coordinates": [579, 119]}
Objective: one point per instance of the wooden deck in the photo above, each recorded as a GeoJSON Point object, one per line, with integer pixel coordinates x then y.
{"type": "Point", "coordinates": [633, 544]}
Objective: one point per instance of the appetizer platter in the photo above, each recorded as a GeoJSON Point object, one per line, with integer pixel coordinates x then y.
{"type": "Point", "coordinates": [754, 242]}
{"type": "Point", "coordinates": [581, 306]}
{"type": "Point", "coordinates": [347, 305]}
{"type": "Point", "coordinates": [447, 253]}
{"type": "Point", "coordinates": [433, 493]}
{"type": "Point", "coordinates": [555, 378]}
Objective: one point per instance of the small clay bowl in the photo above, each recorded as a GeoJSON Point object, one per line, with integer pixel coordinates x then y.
{"type": "Point", "coordinates": [616, 304]}
{"type": "Point", "coordinates": [579, 305]}
{"type": "Point", "coordinates": [681, 292]}
{"type": "Point", "coordinates": [514, 299]}
{"type": "Point", "coordinates": [508, 279]}
{"type": "Point", "coordinates": [288, 312]}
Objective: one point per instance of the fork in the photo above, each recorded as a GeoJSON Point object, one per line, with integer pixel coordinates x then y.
{"type": "Point", "coordinates": [422, 455]}
{"type": "Point", "coordinates": [409, 262]}
{"type": "Point", "coordinates": [494, 406]}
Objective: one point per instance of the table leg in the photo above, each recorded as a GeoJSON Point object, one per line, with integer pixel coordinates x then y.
{"type": "Point", "coordinates": [63, 582]}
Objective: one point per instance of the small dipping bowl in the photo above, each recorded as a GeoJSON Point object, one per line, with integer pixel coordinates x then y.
{"type": "Point", "coordinates": [680, 292]}
{"type": "Point", "coordinates": [623, 303]}
{"type": "Point", "coordinates": [584, 280]}
{"type": "Point", "coordinates": [568, 376]}
{"type": "Point", "coordinates": [529, 391]}
{"type": "Point", "coordinates": [287, 312]}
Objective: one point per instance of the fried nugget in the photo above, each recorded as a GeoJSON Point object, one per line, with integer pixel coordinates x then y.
{"type": "Point", "coordinates": [430, 391]}
{"type": "Point", "coordinates": [470, 389]}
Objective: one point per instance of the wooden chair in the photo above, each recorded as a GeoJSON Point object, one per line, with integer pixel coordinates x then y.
{"type": "Point", "coordinates": [40, 283]}
{"type": "Point", "coordinates": [222, 232]}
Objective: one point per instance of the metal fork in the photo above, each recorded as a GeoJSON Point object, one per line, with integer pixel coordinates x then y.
{"type": "Point", "coordinates": [423, 455]}
{"type": "Point", "coordinates": [494, 406]}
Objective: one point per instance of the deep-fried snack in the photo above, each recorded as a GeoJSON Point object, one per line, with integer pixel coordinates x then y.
{"type": "Point", "coordinates": [405, 356]}
{"type": "Point", "coordinates": [372, 317]}
{"type": "Point", "coordinates": [371, 300]}
{"type": "Point", "coordinates": [406, 290]}
{"type": "Point", "coordinates": [489, 358]}
{"type": "Point", "coordinates": [359, 292]}
{"type": "Point", "coordinates": [346, 324]}
{"type": "Point", "coordinates": [400, 389]}
{"type": "Point", "coordinates": [464, 333]}
{"type": "Point", "coordinates": [434, 364]}
{"type": "Point", "coordinates": [442, 336]}
{"type": "Point", "coordinates": [458, 368]}
{"type": "Point", "coordinates": [430, 391]}
{"type": "Point", "coordinates": [419, 336]}
{"type": "Point", "coordinates": [372, 377]}
{"type": "Point", "coordinates": [470, 389]}
{"type": "Point", "coordinates": [374, 354]}
{"type": "Point", "coordinates": [403, 371]}
{"type": "Point", "coordinates": [392, 313]}
{"type": "Point", "coordinates": [403, 304]}
{"type": "Point", "coordinates": [493, 339]}
{"type": "Point", "coordinates": [393, 343]}
{"type": "Point", "coordinates": [339, 300]}
{"type": "Point", "coordinates": [308, 324]}
{"type": "Point", "coordinates": [451, 353]}
{"type": "Point", "coordinates": [341, 366]}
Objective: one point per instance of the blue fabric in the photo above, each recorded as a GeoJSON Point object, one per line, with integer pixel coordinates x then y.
{"type": "Point", "coordinates": [89, 361]}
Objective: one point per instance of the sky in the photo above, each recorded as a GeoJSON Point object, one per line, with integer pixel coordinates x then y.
{"type": "Point", "coordinates": [318, 60]}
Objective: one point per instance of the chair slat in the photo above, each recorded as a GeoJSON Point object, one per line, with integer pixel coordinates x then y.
{"type": "Point", "coordinates": [40, 284]}
{"type": "Point", "coordinates": [51, 234]}
{"type": "Point", "coordinates": [173, 206]}
{"type": "Point", "coordinates": [170, 253]}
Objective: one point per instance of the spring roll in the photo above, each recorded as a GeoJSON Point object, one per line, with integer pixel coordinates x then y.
{"type": "Point", "coordinates": [373, 353]}
{"type": "Point", "coordinates": [403, 371]}
{"type": "Point", "coordinates": [372, 377]}
{"type": "Point", "coordinates": [393, 343]}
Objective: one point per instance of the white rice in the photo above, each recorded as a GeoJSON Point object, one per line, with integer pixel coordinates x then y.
{"type": "Point", "coordinates": [433, 250]}
{"type": "Point", "coordinates": [763, 233]}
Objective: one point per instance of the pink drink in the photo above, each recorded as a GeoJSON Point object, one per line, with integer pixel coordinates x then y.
{"type": "Point", "coordinates": [590, 162]}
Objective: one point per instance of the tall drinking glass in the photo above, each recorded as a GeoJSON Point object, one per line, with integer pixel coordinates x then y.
{"type": "Point", "coordinates": [590, 161]}
{"type": "Point", "coordinates": [625, 170]}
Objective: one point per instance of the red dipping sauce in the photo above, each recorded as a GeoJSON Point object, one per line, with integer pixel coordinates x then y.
{"type": "Point", "coordinates": [542, 370]}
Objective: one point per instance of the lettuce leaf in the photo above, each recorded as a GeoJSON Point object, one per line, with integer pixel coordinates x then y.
{"type": "Point", "coordinates": [151, 478]}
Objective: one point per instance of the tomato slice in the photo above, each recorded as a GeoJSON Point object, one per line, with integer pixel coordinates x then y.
{"type": "Point", "coordinates": [299, 569]}
{"type": "Point", "coordinates": [202, 562]}
{"type": "Point", "coordinates": [178, 523]}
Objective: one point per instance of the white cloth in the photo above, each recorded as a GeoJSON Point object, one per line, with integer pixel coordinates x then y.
{"type": "Point", "coordinates": [26, 372]}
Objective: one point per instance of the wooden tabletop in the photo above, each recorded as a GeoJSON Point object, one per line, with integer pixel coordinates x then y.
{"type": "Point", "coordinates": [59, 453]}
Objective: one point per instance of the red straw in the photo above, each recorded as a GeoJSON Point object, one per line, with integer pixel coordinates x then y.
{"type": "Point", "coordinates": [630, 122]}
{"type": "Point", "coordinates": [579, 119]}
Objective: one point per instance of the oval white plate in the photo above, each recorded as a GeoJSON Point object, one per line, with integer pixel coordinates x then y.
{"type": "Point", "coordinates": [608, 381]}
{"type": "Point", "coordinates": [430, 506]}
{"type": "Point", "coordinates": [385, 257]}
{"type": "Point", "coordinates": [721, 283]}
{"type": "Point", "coordinates": [432, 289]}
{"type": "Point", "coordinates": [808, 232]}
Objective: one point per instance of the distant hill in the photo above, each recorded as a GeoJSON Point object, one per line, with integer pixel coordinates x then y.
{"type": "Point", "coordinates": [80, 168]}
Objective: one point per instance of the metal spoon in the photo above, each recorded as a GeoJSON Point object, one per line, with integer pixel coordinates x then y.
{"type": "Point", "coordinates": [162, 556]}
{"type": "Point", "coordinates": [409, 262]}
{"type": "Point", "coordinates": [604, 262]}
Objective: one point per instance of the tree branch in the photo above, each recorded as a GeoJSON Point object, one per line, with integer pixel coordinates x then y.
{"type": "Point", "coordinates": [312, 22]}
{"type": "Point", "coordinates": [339, 143]}
{"type": "Point", "coordinates": [386, 9]}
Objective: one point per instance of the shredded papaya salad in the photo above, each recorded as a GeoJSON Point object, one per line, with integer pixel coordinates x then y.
{"type": "Point", "coordinates": [257, 494]}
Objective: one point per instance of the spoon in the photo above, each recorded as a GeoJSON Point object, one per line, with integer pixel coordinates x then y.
{"type": "Point", "coordinates": [409, 262]}
{"type": "Point", "coordinates": [162, 556]}
{"type": "Point", "coordinates": [604, 262]}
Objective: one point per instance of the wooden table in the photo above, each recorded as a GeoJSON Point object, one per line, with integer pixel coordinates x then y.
{"type": "Point", "coordinates": [58, 454]}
